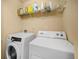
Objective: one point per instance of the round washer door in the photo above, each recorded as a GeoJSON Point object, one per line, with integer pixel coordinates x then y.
{"type": "Point", "coordinates": [13, 51]}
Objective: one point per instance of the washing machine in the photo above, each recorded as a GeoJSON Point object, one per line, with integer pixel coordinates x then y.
{"type": "Point", "coordinates": [18, 45]}
{"type": "Point", "coordinates": [51, 45]}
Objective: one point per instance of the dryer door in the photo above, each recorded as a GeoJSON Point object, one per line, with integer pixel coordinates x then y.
{"type": "Point", "coordinates": [13, 51]}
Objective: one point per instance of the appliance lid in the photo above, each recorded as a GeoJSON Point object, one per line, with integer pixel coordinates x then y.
{"type": "Point", "coordinates": [61, 45]}
{"type": "Point", "coordinates": [52, 34]}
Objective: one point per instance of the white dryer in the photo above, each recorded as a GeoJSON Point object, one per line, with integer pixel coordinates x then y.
{"type": "Point", "coordinates": [51, 45]}
{"type": "Point", "coordinates": [18, 45]}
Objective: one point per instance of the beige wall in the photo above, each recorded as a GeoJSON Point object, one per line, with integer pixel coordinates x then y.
{"type": "Point", "coordinates": [70, 23]}
{"type": "Point", "coordinates": [50, 23]}
{"type": "Point", "coordinates": [34, 24]}
{"type": "Point", "coordinates": [10, 21]}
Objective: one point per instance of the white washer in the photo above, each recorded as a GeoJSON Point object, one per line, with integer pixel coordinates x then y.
{"type": "Point", "coordinates": [18, 45]}
{"type": "Point", "coordinates": [51, 45]}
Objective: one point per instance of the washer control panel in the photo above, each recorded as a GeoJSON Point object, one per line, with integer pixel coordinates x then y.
{"type": "Point", "coordinates": [15, 39]}
{"type": "Point", "coordinates": [52, 34]}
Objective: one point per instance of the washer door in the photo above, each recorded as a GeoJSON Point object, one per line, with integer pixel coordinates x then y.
{"type": "Point", "coordinates": [13, 51]}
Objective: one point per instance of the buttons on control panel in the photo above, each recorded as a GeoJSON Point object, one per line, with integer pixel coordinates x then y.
{"type": "Point", "coordinates": [57, 34]}
{"type": "Point", "coordinates": [61, 34]}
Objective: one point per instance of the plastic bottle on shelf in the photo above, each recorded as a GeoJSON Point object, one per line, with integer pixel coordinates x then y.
{"type": "Point", "coordinates": [26, 11]}
{"type": "Point", "coordinates": [47, 7]}
{"type": "Point", "coordinates": [21, 11]}
{"type": "Point", "coordinates": [35, 7]}
{"type": "Point", "coordinates": [30, 9]}
{"type": "Point", "coordinates": [51, 5]}
{"type": "Point", "coordinates": [42, 8]}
